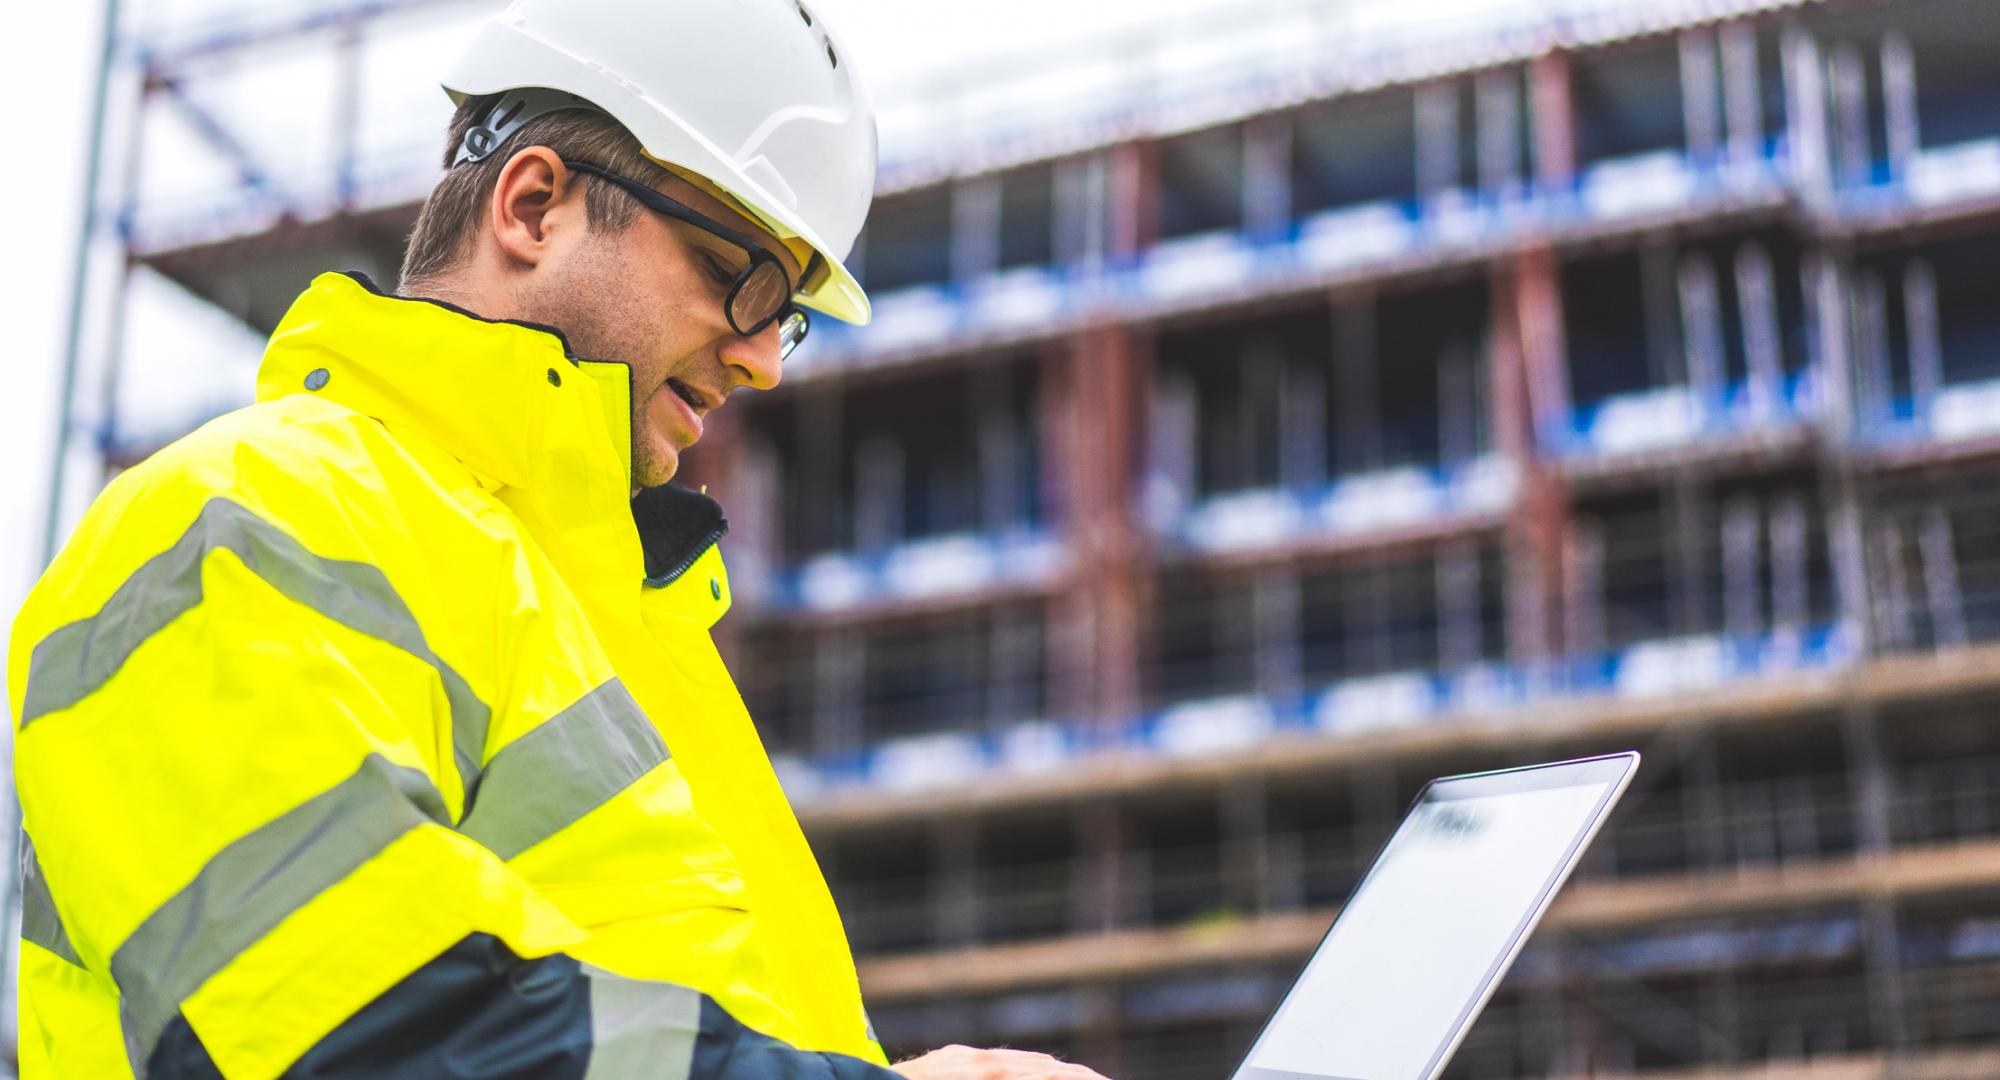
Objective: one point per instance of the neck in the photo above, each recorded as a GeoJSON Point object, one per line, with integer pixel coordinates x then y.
{"type": "Point", "coordinates": [445, 291]}
{"type": "Point", "coordinates": [469, 288]}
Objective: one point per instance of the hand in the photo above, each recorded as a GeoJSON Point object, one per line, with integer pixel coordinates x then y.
{"type": "Point", "coordinates": [966, 1063]}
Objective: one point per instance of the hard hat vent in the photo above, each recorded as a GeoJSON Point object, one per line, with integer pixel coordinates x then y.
{"type": "Point", "coordinates": [806, 15]}
{"type": "Point", "coordinates": [832, 59]}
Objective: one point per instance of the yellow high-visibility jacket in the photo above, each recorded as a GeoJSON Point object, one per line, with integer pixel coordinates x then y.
{"type": "Point", "coordinates": [374, 730]}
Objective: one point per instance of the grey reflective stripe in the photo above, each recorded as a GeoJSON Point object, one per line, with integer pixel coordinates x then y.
{"type": "Point", "coordinates": [640, 1030]}
{"type": "Point", "coordinates": [571, 764]}
{"type": "Point", "coordinates": [76, 660]}
{"type": "Point", "coordinates": [254, 884]}
{"type": "Point", "coordinates": [39, 921]}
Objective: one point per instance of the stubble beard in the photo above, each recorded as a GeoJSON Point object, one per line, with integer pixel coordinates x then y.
{"type": "Point", "coordinates": [578, 302]}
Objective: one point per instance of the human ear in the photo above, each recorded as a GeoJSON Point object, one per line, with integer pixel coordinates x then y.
{"type": "Point", "coordinates": [532, 197]}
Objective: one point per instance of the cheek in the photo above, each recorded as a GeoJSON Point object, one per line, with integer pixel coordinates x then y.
{"type": "Point", "coordinates": [652, 308]}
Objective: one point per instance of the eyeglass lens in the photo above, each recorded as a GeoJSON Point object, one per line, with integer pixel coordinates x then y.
{"type": "Point", "coordinates": [763, 294]}
{"type": "Point", "coordinates": [760, 296]}
{"type": "Point", "coordinates": [791, 331]}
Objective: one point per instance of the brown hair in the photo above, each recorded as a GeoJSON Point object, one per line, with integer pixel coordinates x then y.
{"type": "Point", "coordinates": [450, 215]}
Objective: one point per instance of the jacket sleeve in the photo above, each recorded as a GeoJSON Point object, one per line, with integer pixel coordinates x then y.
{"type": "Point", "coordinates": [245, 819]}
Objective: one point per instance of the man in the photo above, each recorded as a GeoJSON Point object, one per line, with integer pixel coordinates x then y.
{"type": "Point", "coordinates": [374, 730]}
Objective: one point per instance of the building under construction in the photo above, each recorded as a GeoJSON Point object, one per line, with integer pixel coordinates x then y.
{"type": "Point", "coordinates": [1224, 463]}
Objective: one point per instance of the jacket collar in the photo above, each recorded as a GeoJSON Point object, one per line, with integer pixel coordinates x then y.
{"type": "Point", "coordinates": [507, 398]}
{"type": "Point", "coordinates": [675, 526]}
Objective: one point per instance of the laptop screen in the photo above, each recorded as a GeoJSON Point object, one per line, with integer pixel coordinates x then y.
{"type": "Point", "coordinates": [1433, 923]}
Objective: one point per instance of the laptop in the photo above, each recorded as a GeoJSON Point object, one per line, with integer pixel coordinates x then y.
{"type": "Point", "coordinates": [1427, 936]}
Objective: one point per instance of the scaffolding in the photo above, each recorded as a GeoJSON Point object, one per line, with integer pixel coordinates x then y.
{"type": "Point", "coordinates": [1224, 464]}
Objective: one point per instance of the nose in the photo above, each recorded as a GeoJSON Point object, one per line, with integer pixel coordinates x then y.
{"type": "Point", "coordinates": [754, 361]}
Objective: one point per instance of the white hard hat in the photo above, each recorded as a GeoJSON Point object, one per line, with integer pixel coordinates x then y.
{"type": "Point", "coordinates": [755, 96]}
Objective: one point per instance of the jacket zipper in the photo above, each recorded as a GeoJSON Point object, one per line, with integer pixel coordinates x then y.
{"type": "Point", "coordinates": [714, 537]}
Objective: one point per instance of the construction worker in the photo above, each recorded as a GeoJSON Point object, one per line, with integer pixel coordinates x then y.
{"type": "Point", "coordinates": [375, 729]}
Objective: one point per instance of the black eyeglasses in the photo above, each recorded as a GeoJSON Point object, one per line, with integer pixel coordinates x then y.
{"type": "Point", "coordinates": [762, 291]}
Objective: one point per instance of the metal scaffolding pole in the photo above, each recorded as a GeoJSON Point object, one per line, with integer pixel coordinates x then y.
{"type": "Point", "coordinates": [79, 281]}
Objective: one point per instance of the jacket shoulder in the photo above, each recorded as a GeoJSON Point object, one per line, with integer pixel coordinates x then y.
{"type": "Point", "coordinates": [320, 446]}
{"type": "Point", "coordinates": [332, 479]}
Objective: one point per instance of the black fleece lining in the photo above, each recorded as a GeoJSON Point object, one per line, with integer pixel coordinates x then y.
{"type": "Point", "coordinates": [675, 526]}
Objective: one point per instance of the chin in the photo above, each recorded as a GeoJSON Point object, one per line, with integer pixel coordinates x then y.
{"type": "Point", "coordinates": [654, 465]}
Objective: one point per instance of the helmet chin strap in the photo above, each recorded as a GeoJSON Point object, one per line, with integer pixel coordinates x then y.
{"type": "Point", "coordinates": [509, 113]}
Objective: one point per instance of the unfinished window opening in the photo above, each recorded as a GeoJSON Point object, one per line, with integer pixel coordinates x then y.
{"type": "Point", "coordinates": [1767, 549]}
{"type": "Point", "coordinates": [1607, 311]}
{"type": "Point", "coordinates": [1927, 335]}
{"type": "Point", "coordinates": [1201, 643]}
{"type": "Point", "coordinates": [774, 671]}
{"type": "Point", "coordinates": [1732, 91]}
{"type": "Point", "coordinates": [1224, 424]}
{"type": "Point", "coordinates": [967, 673]}
{"type": "Point", "coordinates": [1792, 985]}
{"type": "Point", "coordinates": [1944, 772]}
{"type": "Point", "coordinates": [1296, 399]}
{"type": "Point", "coordinates": [1968, 323]}
{"type": "Point", "coordinates": [1745, 557]}
{"type": "Point", "coordinates": [1177, 864]}
{"type": "Point", "coordinates": [1448, 146]}
{"type": "Point", "coordinates": [884, 883]}
{"type": "Point", "coordinates": [949, 453]}
{"type": "Point", "coordinates": [1500, 152]}
{"type": "Point", "coordinates": [1281, 631]}
{"type": "Point", "coordinates": [1689, 820]}
{"type": "Point", "coordinates": [907, 240]}
{"type": "Point", "coordinates": [1774, 123]}
{"type": "Point", "coordinates": [1712, 331]}
{"type": "Point", "coordinates": [1028, 875]}
{"type": "Point", "coordinates": [1629, 542]}
{"type": "Point", "coordinates": [1370, 620]}
{"type": "Point", "coordinates": [1907, 79]}
{"type": "Point", "coordinates": [1742, 319]}
{"type": "Point", "coordinates": [1819, 1004]}
{"type": "Point", "coordinates": [1355, 151]}
{"type": "Point", "coordinates": [1933, 556]}
{"type": "Point", "coordinates": [1777, 796]}
{"type": "Point", "coordinates": [1946, 944]}
{"type": "Point", "coordinates": [1320, 841]}
{"type": "Point", "coordinates": [1430, 348]}
{"type": "Point", "coordinates": [1734, 94]}
{"type": "Point", "coordinates": [954, 454]}
{"type": "Point", "coordinates": [799, 438]}
{"type": "Point", "coordinates": [1384, 618]}
{"type": "Point", "coordinates": [1201, 182]}
{"type": "Point", "coordinates": [1027, 217]}
{"type": "Point", "coordinates": [1957, 82]}
{"type": "Point", "coordinates": [1628, 102]}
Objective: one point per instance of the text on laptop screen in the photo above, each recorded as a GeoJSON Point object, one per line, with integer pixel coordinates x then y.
{"type": "Point", "coordinates": [1414, 946]}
